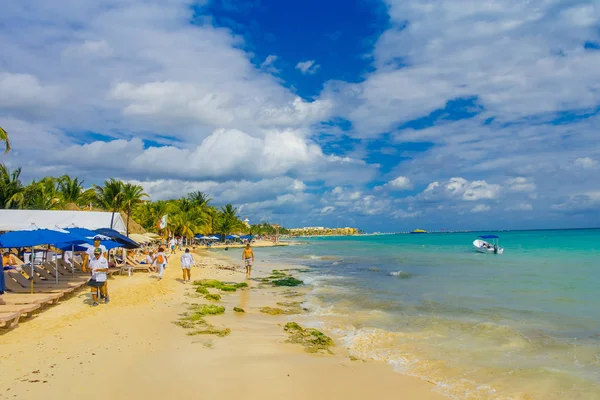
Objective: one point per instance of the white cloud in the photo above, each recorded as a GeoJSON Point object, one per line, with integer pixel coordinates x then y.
{"type": "Point", "coordinates": [585, 162]}
{"type": "Point", "coordinates": [435, 52]}
{"type": "Point", "coordinates": [461, 189]}
{"type": "Point", "coordinates": [521, 184]}
{"type": "Point", "coordinates": [480, 208]}
{"type": "Point", "coordinates": [327, 210]}
{"type": "Point", "coordinates": [25, 92]}
{"type": "Point", "coordinates": [308, 67]}
{"type": "Point", "coordinates": [269, 60]}
{"type": "Point", "coordinates": [400, 183]}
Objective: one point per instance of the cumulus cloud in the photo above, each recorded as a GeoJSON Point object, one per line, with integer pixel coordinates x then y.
{"type": "Point", "coordinates": [462, 189]}
{"type": "Point", "coordinates": [308, 67]}
{"type": "Point", "coordinates": [400, 183]}
{"type": "Point", "coordinates": [585, 162]}
{"type": "Point", "coordinates": [521, 184]}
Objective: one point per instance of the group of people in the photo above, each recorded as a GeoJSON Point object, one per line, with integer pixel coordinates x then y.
{"type": "Point", "coordinates": [95, 260]}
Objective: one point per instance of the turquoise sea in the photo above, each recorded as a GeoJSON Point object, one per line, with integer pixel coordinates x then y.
{"type": "Point", "coordinates": [521, 325]}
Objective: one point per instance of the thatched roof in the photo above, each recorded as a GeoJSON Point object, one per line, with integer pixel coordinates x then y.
{"type": "Point", "coordinates": [134, 227]}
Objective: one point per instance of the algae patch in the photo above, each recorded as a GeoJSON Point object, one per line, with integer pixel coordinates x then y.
{"type": "Point", "coordinates": [202, 290]}
{"type": "Point", "coordinates": [211, 330]}
{"type": "Point", "coordinates": [203, 284]}
{"type": "Point", "coordinates": [194, 319]}
{"type": "Point", "coordinates": [214, 297]}
{"type": "Point", "coordinates": [313, 340]}
{"type": "Point", "coordinates": [238, 309]}
{"type": "Point", "coordinates": [272, 311]}
{"type": "Point", "coordinates": [289, 281]}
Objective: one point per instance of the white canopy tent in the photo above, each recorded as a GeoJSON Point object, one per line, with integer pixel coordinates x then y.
{"type": "Point", "coordinates": [12, 220]}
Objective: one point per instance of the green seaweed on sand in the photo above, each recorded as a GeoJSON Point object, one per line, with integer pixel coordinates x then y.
{"type": "Point", "coordinates": [209, 283]}
{"type": "Point", "coordinates": [292, 307]}
{"type": "Point", "coordinates": [194, 319]}
{"type": "Point", "coordinates": [211, 330]}
{"type": "Point", "coordinates": [206, 309]}
{"type": "Point", "coordinates": [313, 340]}
{"type": "Point", "coordinates": [272, 311]}
{"type": "Point", "coordinates": [289, 281]}
{"type": "Point", "coordinates": [214, 297]}
{"type": "Point", "coordinates": [238, 309]}
{"type": "Point", "coordinates": [203, 284]}
{"type": "Point", "coordinates": [185, 324]}
{"type": "Point", "coordinates": [202, 290]}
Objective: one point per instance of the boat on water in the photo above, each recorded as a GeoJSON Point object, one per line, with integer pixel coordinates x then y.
{"type": "Point", "coordinates": [488, 244]}
{"type": "Point", "coordinates": [419, 231]}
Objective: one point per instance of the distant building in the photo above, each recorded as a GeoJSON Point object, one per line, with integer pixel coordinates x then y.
{"type": "Point", "coordinates": [246, 222]}
{"type": "Point", "coordinates": [322, 231]}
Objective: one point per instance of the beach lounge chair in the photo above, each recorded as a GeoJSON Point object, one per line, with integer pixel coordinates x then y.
{"type": "Point", "coordinates": [24, 309]}
{"type": "Point", "coordinates": [15, 287]}
{"type": "Point", "coordinates": [137, 266]}
{"type": "Point", "coordinates": [41, 276]}
{"type": "Point", "coordinates": [41, 298]}
{"type": "Point", "coordinates": [9, 319]}
{"type": "Point", "coordinates": [24, 283]}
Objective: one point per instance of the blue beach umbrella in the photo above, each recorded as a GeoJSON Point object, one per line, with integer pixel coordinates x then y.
{"type": "Point", "coordinates": [37, 237]}
{"type": "Point", "coordinates": [124, 240]}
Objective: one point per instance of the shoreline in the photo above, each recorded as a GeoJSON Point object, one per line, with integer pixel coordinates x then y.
{"type": "Point", "coordinates": [138, 350]}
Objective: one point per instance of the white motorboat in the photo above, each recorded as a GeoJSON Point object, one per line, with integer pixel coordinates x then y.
{"type": "Point", "coordinates": [483, 246]}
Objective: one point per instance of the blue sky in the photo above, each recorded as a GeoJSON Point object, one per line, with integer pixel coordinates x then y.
{"type": "Point", "coordinates": [388, 115]}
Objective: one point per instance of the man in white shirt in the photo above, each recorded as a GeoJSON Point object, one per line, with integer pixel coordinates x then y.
{"type": "Point", "coordinates": [172, 244]}
{"type": "Point", "coordinates": [89, 254]}
{"type": "Point", "coordinates": [98, 265]}
{"type": "Point", "coordinates": [186, 265]}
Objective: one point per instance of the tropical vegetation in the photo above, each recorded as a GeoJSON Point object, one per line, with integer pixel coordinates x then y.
{"type": "Point", "coordinates": [188, 216]}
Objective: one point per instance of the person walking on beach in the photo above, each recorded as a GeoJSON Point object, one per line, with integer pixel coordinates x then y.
{"type": "Point", "coordinates": [172, 244]}
{"type": "Point", "coordinates": [98, 265]}
{"type": "Point", "coordinates": [186, 265]}
{"type": "Point", "coordinates": [248, 257]}
{"type": "Point", "coordinates": [89, 254]}
{"type": "Point", "coordinates": [161, 262]}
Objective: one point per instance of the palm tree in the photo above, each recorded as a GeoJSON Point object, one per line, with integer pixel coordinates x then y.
{"type": "Point", "coordinates": [131, 196]}
{"type": "Point", "coordinates": [229, 220]}
{"type": "Point", "coordinates": [11, 188]}
{"type": "Point", "coordinates": [72, 191]}
{"type": "Point", "coordinates": [40, 195]}
{"type": "Point", "coordinates": [4, 138]}
{"type": "Point", "coordinates": [110, 196]}
{"type": "Point", "coordinates": [199, 199]}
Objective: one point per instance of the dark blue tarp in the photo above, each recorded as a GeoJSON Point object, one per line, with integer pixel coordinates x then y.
{"type": "Point", "coordinates": [489, 237]}
{"type": "Point", "coordinates": [124, 240]}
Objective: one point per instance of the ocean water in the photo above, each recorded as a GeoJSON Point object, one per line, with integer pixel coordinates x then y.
{"type": "Point", "coordinates": [521, 325]}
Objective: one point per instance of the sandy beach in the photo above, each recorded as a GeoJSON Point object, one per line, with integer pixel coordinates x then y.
{"type": "Point", "coordinates": [131, 348]}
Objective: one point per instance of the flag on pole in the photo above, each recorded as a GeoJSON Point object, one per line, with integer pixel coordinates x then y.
{"type": "Point", "coordinates": [162, 224]}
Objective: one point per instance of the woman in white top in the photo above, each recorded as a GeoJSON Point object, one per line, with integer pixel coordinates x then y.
{"type": "Point", "coordinates": [151, 260]}
{"type": "Point", "coordinates": [161, 262]}
{"type": "Point", "coordinates": [186, 265]}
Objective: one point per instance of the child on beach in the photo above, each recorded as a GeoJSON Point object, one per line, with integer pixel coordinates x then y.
{"type": "Point", "coordinates": [186, 265]}
{"type": "Point", "coordinates": [248, 257]}
{"type": "Point", "coordinates": [161, 262]}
